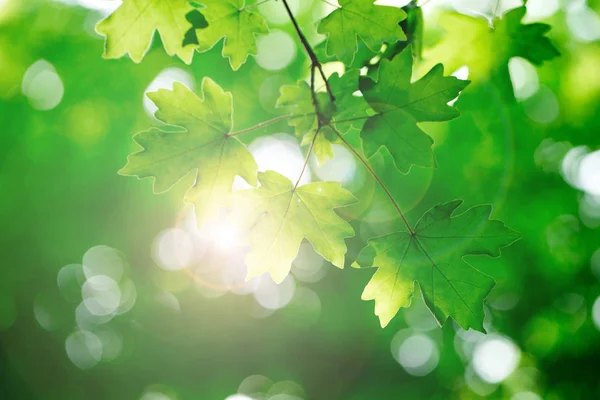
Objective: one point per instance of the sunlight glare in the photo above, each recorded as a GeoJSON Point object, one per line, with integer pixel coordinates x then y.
{"type": "Point", "coordinates": [225, 237]}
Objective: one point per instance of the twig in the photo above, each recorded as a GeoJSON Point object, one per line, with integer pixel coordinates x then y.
{"type": "Point", "coordinates": [374, 174]}
{"type": "Point", "coordinates": [311, 54]}
{"type": "Point", "coordinates": [310, 149]}
{"type": "Point", "coordinates": [262, 124]}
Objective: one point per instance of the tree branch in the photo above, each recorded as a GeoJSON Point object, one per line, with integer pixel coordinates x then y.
{"type": "Point", "coordinates": [374, 174]}
{"type": "Point", "coordinates": [311, 54]}
{"type": "Point", "coordinates": [315, 64]}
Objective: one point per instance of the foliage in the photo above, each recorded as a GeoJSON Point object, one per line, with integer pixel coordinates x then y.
{"type": "Point", "coordinates": [291, 213]}
{"type": "Point", "coordinates": [130, 28]}
{"type": "Point", "coordinates": [61, 196]}
{"type": "Point", "coordinates": [207, 147]}
{"type": "Point", "coordinates": [432, 256]}
{"type": "Point", "coordinates": [281, 214]}
{"type": "Point", "coordinates": [361, 19]}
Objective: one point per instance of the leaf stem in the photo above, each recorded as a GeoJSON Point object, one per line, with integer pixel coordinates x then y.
{"type": "Point", "coordinates": [311, 54]}
{"type": "Point", "coordinates": [316, 65]}
{"type": "Point", "coordinates": [262, 124]}
{"type": "Point", "coordinates": [310, 149]}
{"type": "Point", "coordinates": [374, 174]}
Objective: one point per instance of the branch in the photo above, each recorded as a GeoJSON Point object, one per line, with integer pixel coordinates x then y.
{"type": "Point", "coordinates": [268, 122]}
{"type": "Point", "coordinates": [374, 174]}
{"type": "Point", "coordinates": [310, 149]}
{"type": "Point", "coordinates": [311, 54]}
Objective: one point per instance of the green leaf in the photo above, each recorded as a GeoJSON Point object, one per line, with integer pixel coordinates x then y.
{"type": "Point", "coordinates": [485, 50]}
{"type": "Point", "coordinates": [400, 104]}
{"type": "Point", "coordinates": [204, 147]}
{"type": "Point", "coordinates": [280, 216]}
{"type": "Point", "coordinates": [298, 101]}
{"type": "Point", "coordinates": [360, 18]}
{"type": "Point", "coordinates": [351, 108]}
{"type": "Point", "coordinates": [130, 28]}
{"type": "Point", "coordinates": [361, 59]}
{"type": "Point", "coordinates": [526, 41]}
{"type": "Point", "coordinates": [413, 27]}
{"type": "Point", "coordinates": [198, 21]}
{"type": "Point", "coordinates": [433, 258]}
{"type": "Point", "coordinates": [349, 111]}
{"type": "Point", "coordinates": [322, 147]}
{"type": "Point", "coordinates": [237, 25]}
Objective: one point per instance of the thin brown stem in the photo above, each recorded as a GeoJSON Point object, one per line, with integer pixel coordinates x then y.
{"type": "Point", "coordinates": [313, 92]}
{"type": "Point", "coordinates": [376, 177]}
{"type": "Point", "coordinates": [262, 124]}
{"type": "Point", "coordinates": [310, 149]}
{"type": "Point", "coordinates": [311, 54]}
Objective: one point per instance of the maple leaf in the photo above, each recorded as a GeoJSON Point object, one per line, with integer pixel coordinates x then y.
{"type": "Point", "coordinates": [321, 145]}
{"type": "Point", "coordinates": [203, 147]}
{"type": "Point", "coordinates": [360, 18]}
{"type": "Point", "coordinates": [433, 258]}
{"type": "Point", "coordinates": [526, 40]}
{"type": "Point", "coordinates": [400, 104]}
{"type": "Point", "coordinates": [129, 29]}
{"type": "Point", "coordinates": [298, 101]}
{"type": "Point", "coordinates": [349, 110]}
{"type": "Point", "coordinates": [232, 21]}
{"type": "Point", "coordinates": [279, 216]}
{"type": "Point", "coordinates": [484, 49]}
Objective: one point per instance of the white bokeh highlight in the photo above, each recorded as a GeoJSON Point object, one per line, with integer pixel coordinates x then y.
{"type": "Point", "coordinates": [84, 349]}
{"type": "Point", "coordinates": [173, 249]}
{"type": "Point", "coordinates": [165, 80]}
{"type": "Point", "coordinates": [42, 86]}
{"type": "Point", "coordinates": [276, 50]}
{"type": "Point", "coordinates": [495, 358]}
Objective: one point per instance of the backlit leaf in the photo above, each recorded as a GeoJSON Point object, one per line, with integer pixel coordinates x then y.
{"type": "Point", "coordinates": [236, 24]}
{"type": "Point", "coordinates": [203, 147]}
{"type": "Point", "coordinates": [129, 29]}
{"type": "Point", "coordinates": [433, 258]}
{"type": "Point", "coordinates": [360, 18]}
{"type": "Point", "coordinates": [485, 49]}
{"type": "Point", "coordinates": [279, 217]}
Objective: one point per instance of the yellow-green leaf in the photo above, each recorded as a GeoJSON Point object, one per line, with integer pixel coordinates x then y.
{"type": "Point", "coordinates": [280, 216]}
{"type": "Point", "coordinates": [204, 147]}
{"type": "Point", "coordinates": [129, 29]}
{"type": "Point", "coordinates": [232, 21]}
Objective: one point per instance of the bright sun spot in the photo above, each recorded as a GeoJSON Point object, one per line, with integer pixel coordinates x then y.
{"type": "Point", "coordinates": [225, 237]}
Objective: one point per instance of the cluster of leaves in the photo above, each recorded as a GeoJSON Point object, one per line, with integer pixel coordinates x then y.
{"type": "Point", "coordinates": [385, 104]}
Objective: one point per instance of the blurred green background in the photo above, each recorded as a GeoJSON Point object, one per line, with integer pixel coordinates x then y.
{"type": "Point", "coordinates": [107, 291]}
